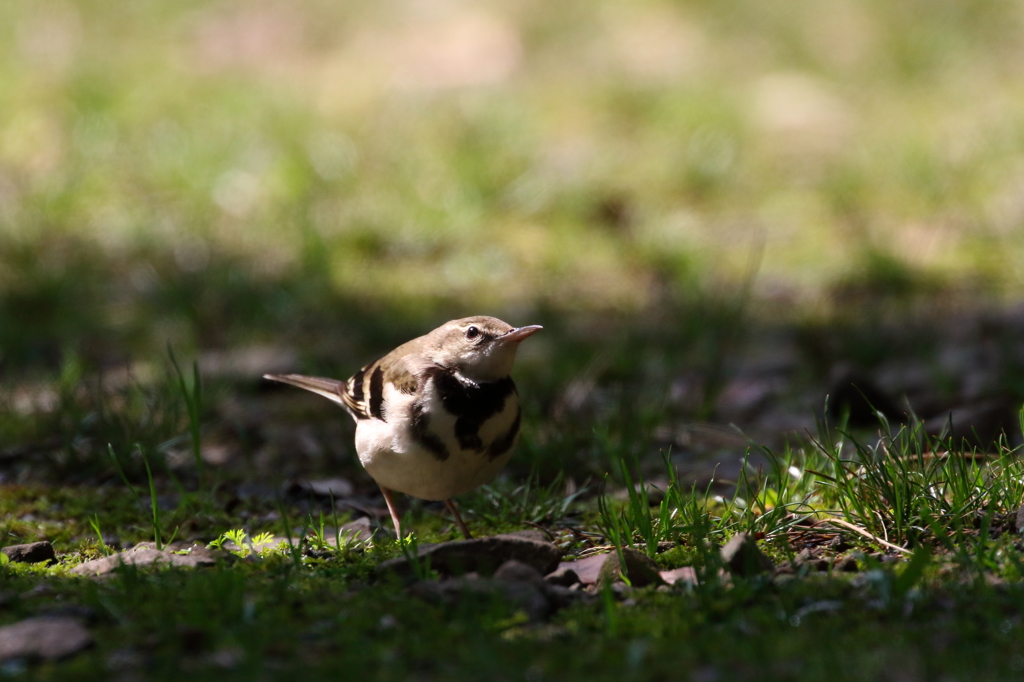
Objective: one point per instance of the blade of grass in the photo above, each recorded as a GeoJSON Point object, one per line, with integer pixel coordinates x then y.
{"type": "Point", "coordinates": [120, 472]}
{"type": "Point", "coordinates": [193, 404]}
{"type": "Point", "coordinates": [154, 506]}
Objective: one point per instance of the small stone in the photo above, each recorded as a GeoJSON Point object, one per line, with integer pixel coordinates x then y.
{"type": "Point", "coordinates": [838, 544]}
{"type": "Point", "coordinates": [189, 552]}
{"type": "Point", "coordinates": [743, 557]}
{"type": "Point", "coordinates": [482, 555]}
{"type": "Point", "coordinates": [529, 534]}
{"type": "Point", "coordinates": [787, 568]}
{"type": "Point", "coordinates": [563, 577]}
{"type": "Point", "coordinates": [357, 531]}
{"type": "Point", "coordinates": [1020, 519]}
{"type": "Point", "coordinates": [812, 561]}
{"type": "Point", "coordinates": [639, 568]}
{"type": "Point", "coordinates": [32, 553]}
{"type": "Point", "coordinates": [560, 597]}
{"type": "Point", "coordinates": [847, 565]}
{"type": "Point", "coordinates": [205, 556]}
{"type": "Point", "coordinates": [336, 487]}
{"type": "Point", "coordinates": [686, 574]}
{"type": "Point", "coordinates": [48, 639]}
{"type": "Point", "coordinates": [620, 589]}
{"type": "Point", "coordinates": [141, 555]}
{"type": "Point", "coordinates": [518, 572]}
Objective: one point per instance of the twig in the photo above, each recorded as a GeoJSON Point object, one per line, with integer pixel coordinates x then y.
{"type": "Point", "coordinates": [865, 533]}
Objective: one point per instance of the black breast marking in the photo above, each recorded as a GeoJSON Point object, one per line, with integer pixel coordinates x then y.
{"type": "Point", "coordinates": [503, 444]}
{"type": "Point", "coordinates": [421, 431]}
{"type": "Point", "coordinates": [377, 393]}
{"type": "Point", "coordinates": [471, 405]}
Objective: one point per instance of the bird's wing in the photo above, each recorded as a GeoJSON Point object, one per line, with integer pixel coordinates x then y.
{"type": "Point", "coordinates": [358, 389]}
{"type": "Point", "coordinates": [363, 394]}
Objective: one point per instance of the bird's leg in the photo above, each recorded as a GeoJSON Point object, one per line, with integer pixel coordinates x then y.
{"type": "Point", "coordinates": [394, 512]}
{"type": "Point", "coordinates": [458, 519]}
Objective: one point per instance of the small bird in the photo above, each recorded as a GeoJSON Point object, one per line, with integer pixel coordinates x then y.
{"type": "Point", "coordinates": [436, 417]}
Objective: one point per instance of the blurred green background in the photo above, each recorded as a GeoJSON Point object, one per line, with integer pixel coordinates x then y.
{"type": "Point", "coordinates": [655, 182]}
{"type": "Point", "coordinates": [206, 173]}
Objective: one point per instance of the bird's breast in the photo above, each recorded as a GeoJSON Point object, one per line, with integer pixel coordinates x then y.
{"type": "Point", "coordinates": [451, 417]}
{"type": "Point", "coordinates": [443, 441]}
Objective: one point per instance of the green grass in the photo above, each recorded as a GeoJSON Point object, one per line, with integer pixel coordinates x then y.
{"type": "Point", "coordinates": [947, 604]}
{"type": "Point", "coordinates": [227, 610]}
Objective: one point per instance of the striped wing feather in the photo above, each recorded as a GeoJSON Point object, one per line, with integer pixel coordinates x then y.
{"type": "Point", "coordinates": [356, 393]}
{"type": "Point", "coordinates": [363, 394]}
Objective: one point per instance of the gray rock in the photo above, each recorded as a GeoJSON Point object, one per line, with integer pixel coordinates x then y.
{"type": "Point", "coordinates": [338, 487]}
{"type": "Point", "coordinates": [563, 576]}
{"type": "Point", "coordinates": [358, 530]}
{"type": "Point", "coordinates": [194, 550]}
{"type": "Point", "coordinates": [141, 555]}
{"type": "Point", "coordinates": [838, 544]}
{"type": "Point", "coordinates": [560, 597]}
{"type": "Point", "coordinates": [637, 566]}
{"type": "Point", "coordinates": [517, 572]}
{"type": "Point", "coordinates": [529, 534]}
{"type": "Point", "coordinates": [480, 555]}
{"type": "Point", "coordinates": [43, 638]}
{"type": "Point", "coordinates": [812, 561]}
{"type": "Point", "coordinates": [743, 557]}
{"type": "Point", "coordinates": [32, 553]}
{"type": "Point", "coordinates": [516, 583]}
{"type": "Point", "coordinates": [201, 555]}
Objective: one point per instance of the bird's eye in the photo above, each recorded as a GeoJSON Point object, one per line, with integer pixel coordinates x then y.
{"type": "Point", "coordinates": [472, 333]}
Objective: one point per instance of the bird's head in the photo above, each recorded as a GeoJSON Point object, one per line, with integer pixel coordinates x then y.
{"type": "Point", "coordinates": [482, 349]}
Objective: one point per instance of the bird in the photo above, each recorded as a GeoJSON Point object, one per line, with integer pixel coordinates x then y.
{"type": "Point", "coordinates": [436, 417]}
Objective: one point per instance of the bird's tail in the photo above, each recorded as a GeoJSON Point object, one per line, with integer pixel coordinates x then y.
{"type": "Point", "coordinates": [332, 389]}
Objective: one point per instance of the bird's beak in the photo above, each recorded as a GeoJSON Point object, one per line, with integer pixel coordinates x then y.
{"type": "Point", "coordinates": [517, 335]}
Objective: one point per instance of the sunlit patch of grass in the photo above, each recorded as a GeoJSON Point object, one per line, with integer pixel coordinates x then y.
{"type": "Point", "coordinates": [908, 489]}
{"type": "Point", "coordinates": [506, 502]}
